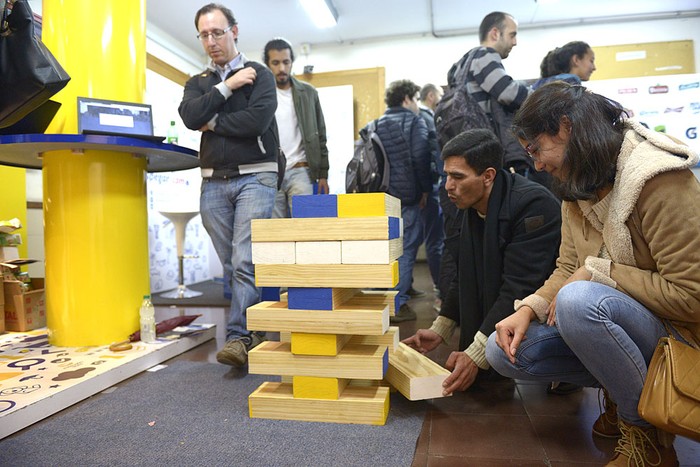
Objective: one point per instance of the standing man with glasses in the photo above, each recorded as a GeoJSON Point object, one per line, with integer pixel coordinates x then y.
{"type": "Point", "coordinates": [302, 129]}
{"type": "Point", "coordinates": [233, 104]}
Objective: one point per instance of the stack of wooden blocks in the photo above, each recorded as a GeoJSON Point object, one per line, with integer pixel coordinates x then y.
{"type": "Point", "coordinates": [338, 350]}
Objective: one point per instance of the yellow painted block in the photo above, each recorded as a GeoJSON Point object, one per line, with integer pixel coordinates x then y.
{"type": "Point", "coordinates": [358, 405]}
{"type": "Point", "coordinates": [368, 205]}
{"type": "Point", "coordinates": [327, 275]}
{"type": "Point", "coordinates": [318, 344]}
{"type": "Point", "coordinates": [312, 387]}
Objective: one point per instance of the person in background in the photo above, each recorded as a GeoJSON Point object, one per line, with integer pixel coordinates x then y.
{"type": "Point", "coordinates": [404, 136]}
{"type": "Point", "coordinates": [302, 129]}
{"type": "Point", "coordinates": [574, 63]}
{"type": "Point", "coordinates": [233, 104]}
{"type": "Point", "coordinates": [507, 247]}
{"type": "Point", "coordinates": [431, 215]}
{"type": "Point", "coordinates": [628, 271]}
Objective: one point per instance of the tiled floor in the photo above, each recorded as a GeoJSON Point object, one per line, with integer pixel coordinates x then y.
{"type": "Point", "coordinates": [493, 423]}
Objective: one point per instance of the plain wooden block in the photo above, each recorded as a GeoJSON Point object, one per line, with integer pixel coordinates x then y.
{"type": "Point", "coordinates": [318, 252]}
{"type": "Point", "coordinates": [312, 387]}
{"type": "Point", "coordinates": [415, 375]}
{"type": "Point", "coordinates": [377, 298]}
{"type": "Point", "coordinates": [390, 338]}
{"type": "Point", "coordinates": [353, 362]}
{"type": "Point", "coordinates": [327, 275]}
{"type": "Point", "coordinates": [347, 319]}
{"type": "Point", "coordinates": [314, 206]}
{"type": "Point", "coordinates": [325, 229]}
{"type": "Point", "coordinates": [318, 298]}
{"type": "Point", "coordinates": [371, 251]}
{"type": "Point", "coordinates": [368, 204]}
{"type": "Point", "coordinates": [305, 343]}
{"type": "Point", "coordinates": [358, 405]}
{"type": "Point", "coordinates": [273, 252]}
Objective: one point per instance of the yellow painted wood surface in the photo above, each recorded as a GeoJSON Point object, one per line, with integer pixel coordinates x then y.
{"type": "Point", "coordinates": [347, 319]}
{"type": "Point", "coordinates": [316, 229]}
{"type": "Point", "coordinates": [415, 375]}
{"type": "Point", "coordinates": [354, 362]}
{"type": "Point", "coordinates": [327, 275]}
{"type": "Point", "coordinates": [368, 204]}
{"type": "Point", "coordinates": [312, 387]}
{"type": "Point", "coordinates": [357, 405]}
{"type": "Point", "coordinates": [305, 343]}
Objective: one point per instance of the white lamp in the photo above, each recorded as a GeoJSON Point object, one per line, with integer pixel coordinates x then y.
{"type": "Point", "coordinates": [322, 12]}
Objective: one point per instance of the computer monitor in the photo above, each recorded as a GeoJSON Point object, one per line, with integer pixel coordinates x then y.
{"type": "Point", "coordinates": [102, 116]}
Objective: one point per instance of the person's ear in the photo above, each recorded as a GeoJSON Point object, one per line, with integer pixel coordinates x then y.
{"type": "Point", "coordinates": [489, 176]}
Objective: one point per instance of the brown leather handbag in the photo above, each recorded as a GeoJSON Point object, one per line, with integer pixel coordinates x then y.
{"type": "Point", "coordinates": [671, 395]}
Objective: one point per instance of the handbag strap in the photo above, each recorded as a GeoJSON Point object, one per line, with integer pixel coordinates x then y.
{"type": "Point", "coordinates": [670, 329]}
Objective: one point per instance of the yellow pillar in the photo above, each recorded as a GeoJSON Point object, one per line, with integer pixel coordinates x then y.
{"type": "Point", "coordinates": [95, 218]}
{"type": "Point", "coordinates": [13, 201]}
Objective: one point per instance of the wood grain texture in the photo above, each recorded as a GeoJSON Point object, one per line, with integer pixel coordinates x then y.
{"type": "Point", "coordinates": [371, 251]}
{"type": "Point", "coordinates": [322, 229]}
{"type": "Point", "coordinates": [327, 275]}
{"type": "Point", "coordinates": [414, 375]}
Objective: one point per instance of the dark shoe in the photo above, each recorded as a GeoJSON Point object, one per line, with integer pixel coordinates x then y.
{"type": "Point", "coordinates": [563, 389]}
{"type": "Point", "coordinates": [606, 425]}
{"type": "Point", "coordinates": [640, 447]}
{"type": "Point", "coordinates": [413, 293]}
{"type": "Point", "coordinates": [235, 352]}
{"type": "Point", "coordinates": [405, 313]}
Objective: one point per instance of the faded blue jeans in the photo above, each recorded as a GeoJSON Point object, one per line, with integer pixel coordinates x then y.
{"type": "Point", "coordinates": [433, 234]}
{"type": "Point", "coordinates": [412, 238]}
{"type": "Point", "coordinates": [602, 338]}
{"type": "Point", "coordinates": [227, 207]}
{"type": "Point", "coordinates": [296, 182]}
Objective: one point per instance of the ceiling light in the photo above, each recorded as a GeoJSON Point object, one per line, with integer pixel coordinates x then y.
{"type": "Point", "coordinates": [322, 12]}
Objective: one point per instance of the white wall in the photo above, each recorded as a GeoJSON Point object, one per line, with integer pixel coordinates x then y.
{"type": "Point", "coordinates": [427, 59]}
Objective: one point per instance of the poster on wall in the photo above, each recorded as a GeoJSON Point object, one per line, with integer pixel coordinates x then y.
{"type": "Point", "coordinates": [669, 103]}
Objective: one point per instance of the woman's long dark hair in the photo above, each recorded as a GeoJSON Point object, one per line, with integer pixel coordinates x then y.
{"type": "Point", "coordinates": [590, 156]}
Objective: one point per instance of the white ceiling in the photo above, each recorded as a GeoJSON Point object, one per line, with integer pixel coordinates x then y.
{"type": "Point", "coordinates": [261, 20]}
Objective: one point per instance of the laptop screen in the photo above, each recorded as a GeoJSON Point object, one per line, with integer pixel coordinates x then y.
{"type": "Point", "coordinates": [101, 115]}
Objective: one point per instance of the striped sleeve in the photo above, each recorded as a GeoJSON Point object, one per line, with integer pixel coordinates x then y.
{"type": "Point", "coordinates": [487, 78]}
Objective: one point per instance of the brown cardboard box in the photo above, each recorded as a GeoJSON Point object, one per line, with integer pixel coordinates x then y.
{"type": "Point", "coordinates": [24, 311]}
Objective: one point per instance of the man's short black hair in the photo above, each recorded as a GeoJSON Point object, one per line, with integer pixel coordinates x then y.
{"type": "Point", "coordinates": [277, 43]}
{"type": "Point", "coordinates": [211, 7]}
{"type": "Point", "coordinates": [494, 19]}
{"type": "Point", "coordinates": [398, 90]}
{"type": "Point", "coordinates": [479, 147]}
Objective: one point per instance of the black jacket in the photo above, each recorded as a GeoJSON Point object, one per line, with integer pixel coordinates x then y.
{"type": "Point", "coordinates": [504, 257]}
{"type": "Point", "coordinates": [245, 135]}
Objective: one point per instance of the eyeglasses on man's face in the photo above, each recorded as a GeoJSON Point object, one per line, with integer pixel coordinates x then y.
{"type": "Point", "coordinates": [216, 34]}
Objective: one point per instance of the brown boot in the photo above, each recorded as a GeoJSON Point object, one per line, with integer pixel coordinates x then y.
{"type": "Point", "coordinates": [640, 447]}
{"type": "Point", "coordinates": [606, 425]}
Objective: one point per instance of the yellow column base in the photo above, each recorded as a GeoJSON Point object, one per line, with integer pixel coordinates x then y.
{"type": "Point", "coordinates": [96, 242]}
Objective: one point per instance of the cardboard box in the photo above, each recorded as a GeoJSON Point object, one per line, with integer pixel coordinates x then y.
{"type": "Point", "coordinates": [24, 311]}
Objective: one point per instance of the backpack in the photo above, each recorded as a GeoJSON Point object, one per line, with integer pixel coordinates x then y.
{"type": "Point", "coordinates": [368, 170]}
{"type": "Point", "coordinates": [457, 111]}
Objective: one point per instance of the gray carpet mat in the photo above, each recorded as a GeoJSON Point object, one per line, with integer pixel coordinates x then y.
{"type": "Point", "coordinates": [194, 413]}
{"type": "Point", "coordinates": [212, 295]}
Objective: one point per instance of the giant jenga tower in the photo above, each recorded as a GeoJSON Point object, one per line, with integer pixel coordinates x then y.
{"type": "Point", "coordinates": [340, 340]}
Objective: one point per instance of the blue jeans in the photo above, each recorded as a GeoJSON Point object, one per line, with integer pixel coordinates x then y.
{"type": "Point", "coordinates": [296, 182]}
{"type": "Point", "coordinates": [602, 338]}
{"type": "Point", "coordinates": [433, 234]}
{"type": "Point", "coordinates": [412, 238]}
{"type": "Point", "coordinates": [227, 207]}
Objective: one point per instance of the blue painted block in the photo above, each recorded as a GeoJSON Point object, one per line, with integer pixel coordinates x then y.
{"type": "Point", "coordinates": [396, 303]}
{"type": "Point", "coordinates": [310, 298]}
{"type": "Point", "coordinates": [394, 227]}
{"type": "Point", "coordinates": [314, 206]}
{"type": "Point", "coordinates": [385, 362]}
{"type": "Point", "coordinates": [270, 294]}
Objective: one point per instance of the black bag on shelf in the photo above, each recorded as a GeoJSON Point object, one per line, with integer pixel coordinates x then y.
{"type": "Point", "coordinates": [29, 73]}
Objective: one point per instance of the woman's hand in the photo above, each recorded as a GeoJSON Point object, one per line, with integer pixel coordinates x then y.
{"type": "Point", "coordinates": [511, 331]}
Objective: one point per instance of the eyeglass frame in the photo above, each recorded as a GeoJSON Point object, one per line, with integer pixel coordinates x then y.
{"type": "Point", "coordinates": [204, 37]}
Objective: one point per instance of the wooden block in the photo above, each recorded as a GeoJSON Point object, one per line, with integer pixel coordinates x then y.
{"type": "Point", "coordinates": [305, 343]}
{"type": "Point", "coordinates": [311, 387]}
{"type": "Point", "coordinates": [347, 319]}
{"type": "Point", "coordinates": [325, 229]}
{"type": "Point", "coordinates": [270, 294]}
{"type": "Point", "coordinates": [354, 362]}
{"type": "Point", "coordinates": [286, 336]}
{"type": "Point", "coordinates": [358, 405]}
{"type": "Point", "coordinates": [273, 252]}
{"type": "Point", "coordinates": [377, 298]}
{"type": "Point", "coordinates": [318, 252]}
{"type": "Point", "coordinates": [314, 206]}
{"type": "Point", "coordinates": [318, 298]}
{"type": "Point", "coordinates": [389, 338]}
{"type": "Point", "coordinates": [284, 297]}
{"type": "Point", "coordinates": [327, 275]}
{"type": "Point", "coordinates": [415, 375]}
{"type": "Point", "coordinates": [371, 251]}
{"type": "Point", "coordinates": [368, 204]}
